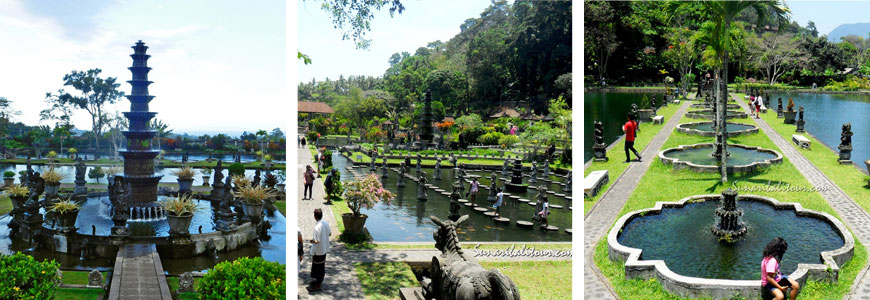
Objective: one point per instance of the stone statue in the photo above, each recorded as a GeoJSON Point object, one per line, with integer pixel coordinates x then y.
{"type": "Point", "coordinates": [421, 187]}
{"type": "Point", "coordinates": [493, 184]}
{"type": "Point", "coordinates": [599, 149]}
{"type": "Point", "coordinates": [534, 176]}
{"type": "Point", "coordinates": [217, 184]}
{"type": "Point", "coordinates": [225, 213]}
{"type": "Point", "coordinates": [779, 108]}
{"type": "Point", "coordinates": [546, 168]}
{"type": "Point", "coordinates": [80, 169]}
{"type": "Point", "coordinates": [504, 168]}
{"type": "Point", "coordinates": [654, 107]}
{"type": "Point", "coordinates": [539, 201]}
{"type": "Point", "coordinates": [401, 181]}
{"type": "Point", "coordinates": [419, 164]}
{"type": "Point", "coordinates": [384, 172]}
{"type": "Point", "coordinates": [95, 278]}
{"type": "Point", "coordinates": [453, 159]}
{"type": "Point", "coordinates": [408, 160]}
{"type": "Point", "coordinates": [120, 198]}
{"type": "Point", "coordinates": [800, 121]}
{"type": "Point", "coordinates": [184, 157]}
{"type": "Point", "coordinates": [372, 163]}
{"type": "Point", "coordinates": [454, 204]}
{"type": "Point", "coordinates": [437, 174]}
{"type": "Point", "coordinates": [459, 276]}
{"type": "Point", "coordinates": [568, 184]}
{"type": "Point", "coordinates": [846, 144]}
{"type": "Point", "coordinates": [256, 181]}
{"type": "Point", "coordinates": [185, 283]}
{"type": "Point", "coordinates": [634, 113]}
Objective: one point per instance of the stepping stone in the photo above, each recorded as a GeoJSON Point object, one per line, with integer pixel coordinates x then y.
{"type": "Point", "coordinates": [468, 204]}
{"type": "Point", "coordinates": [481, 209]}
{"type": "Point", "coordinates": [445, 194]}
{"type": "Point", "coordinates": [568, 231]}
{"type": "Point", "coordinates": [551, 192]}
{"type": "Point", "coordinates": [439, 190]}
{"type": "Point", "coordinates": [489, 214]}
{"type": "Point", "coordinates": [556, 206]}
{"type": "Point", "coordinates": [515, 198]}
{"type": "Point", "coordinates": [531, 203]}
{"type": "Point", "coordinates": [525, 224]}
{"type": "Point", "coordinates": [550, 228]}
{"type": "Point", "coordinates": [462, 201]}
{"type": "Point", "coordinates": [523, 200]}
{"type": "Point", "coordinates": [569, 198]}
{"type": "Point", "coordinates": [502, 220]}
{"type": "Point", "coordinates": [570, 208]}
{"type": "Point", "coordinates": [560, 195]}
{"type": "Point", "coordinates": [507, 194]}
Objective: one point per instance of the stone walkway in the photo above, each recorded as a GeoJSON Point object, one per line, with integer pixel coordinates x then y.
{"type": "Point", "coordinates": [341, 281]}
{"type": "Point", "coordinates": [138, 274]}
{"type": "Point", "coordinates": [850, 212]}
{"type": "Point", "coordinates": [604, 212]}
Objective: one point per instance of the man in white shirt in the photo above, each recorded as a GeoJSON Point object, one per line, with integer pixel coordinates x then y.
{"type": "Point", "coordinates": [319, 248]}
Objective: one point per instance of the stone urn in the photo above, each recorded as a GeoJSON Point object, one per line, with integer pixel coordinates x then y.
{"type": "Point", "coordinates": [185, 185]}
{"type": "Point", "coordinates": [280, 187]}
{"type": "Point", "coordinates": [179, 225]}
{"type": "Point", "coordinates": [354, 224]}
{"type": "Point", "coordinates": [645, 115]}
{"type": "Point", "coordinates": [8, 181]}
{"type": "Point", "coordinates": [253, 210]}
{"type": "Point", "coordinates": [789, 116]}
{"type": "Point", "coordinates": [18, 202]}
{"type": "Point", "coordinates": [205, 179]}
{"type": "Point", "coordinates": [67, 221]}
{"type": "Point", "coordinates": [51, 188]}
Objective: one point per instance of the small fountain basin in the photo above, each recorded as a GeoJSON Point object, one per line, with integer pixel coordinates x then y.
{"type": "Point", "coordinates": [699, 158]}
{"type": "Point", "coordinates": [708, 114]}
{"type": "Point", "coordinates": [835, 244]}
{"type": "Point", "coordinates": [706, 129]}
{"type": "Point", "coordinates": [704, 105]}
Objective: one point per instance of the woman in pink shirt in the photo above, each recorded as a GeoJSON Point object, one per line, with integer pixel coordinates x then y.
{"type": "Point", "coordinates": [771, 279]}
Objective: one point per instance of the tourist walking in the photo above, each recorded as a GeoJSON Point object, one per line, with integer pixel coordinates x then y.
{"type": "Point", "coordinates": [771, 278]}
{"type": "Point", "coordinates": [319, 248]}
{"type": "Point", "coordinates": [545, 211]}
{"type": "Point", "coordinates": [303, 142]}
{"type": "Point", "coordinates": [758, 102]}
{"type": "Point", "coordinates": [630, 129]}
{"type": "Point", "coordinates": [300, 252]}
{"type": "Point", "coordinates": [473, 191]}
{"type": "Point", "coordinates": [499, 198]}
{"type": "Point", "coordinates": [752, 104]}
{"type": "Point", "coordinates": [308, 180]}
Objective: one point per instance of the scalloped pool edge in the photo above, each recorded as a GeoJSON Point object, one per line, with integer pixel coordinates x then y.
{"type": "Point", "coordinates": [691, 131]}
{"type": "Point", "coordinates": [696, 287]}
{"type": "Point", "coordinates": [680, 164]}
{"type": "Point", "coordinates": [731, 105]}
{"type": "Point", "coordinates": [730, 114]}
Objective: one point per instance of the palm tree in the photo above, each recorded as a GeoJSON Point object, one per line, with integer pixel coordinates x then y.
{"type": "Point", "coordinates": [722, 13]}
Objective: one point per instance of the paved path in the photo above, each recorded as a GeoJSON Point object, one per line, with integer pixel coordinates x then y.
{"type": "Point", "coordinates": [851, 213]}
{"type": "Point", "coordinates": [341, 281]}
{"type": "Point", "coordinates": [138, 274]}
{"type": "Point", "coordinates": [604, 212]}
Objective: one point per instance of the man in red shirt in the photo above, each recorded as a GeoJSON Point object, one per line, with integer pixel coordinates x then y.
{"type": "Point", "coordinates": [630, 128]}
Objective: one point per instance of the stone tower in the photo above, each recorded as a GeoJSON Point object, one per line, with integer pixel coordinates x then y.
{"type": "Point", "coordinates": [139, 157]}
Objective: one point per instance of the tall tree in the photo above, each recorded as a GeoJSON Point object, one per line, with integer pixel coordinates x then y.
{"type": "Point", "coordinates": [681, 54]}
{"type": "Point", "coordinates": [599, 34]}
{"type": "Point", "coordinates": [96, 93]}
{"type": "Point", "coordinates": [775, 54]}
{"type": "Point", "coordinates": [162, 129]}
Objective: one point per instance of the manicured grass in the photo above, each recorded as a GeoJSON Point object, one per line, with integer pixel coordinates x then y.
{"type": "Point", "coordinates": [538, 279]}
{"type": "Point", "coordinates": [173, 285]}
{"type": "Point", "coordinates": [662, 183]}
{"type": "Point", "coordinates": [383, 280]}
{"type": "Point", "coordinates": [615, 166]}
{"type": "Point", "coordinates": [282, 207]}
{"type": "Point", "coordinates": [338, 208]}
{"type": "Point", "coordinates": [78, 277]}
{"type": "Point", "coordinates": [444, 162]}
{"type": "Point", "coordinates": [5, 204]}
{"type": "Point", "coordinates": [77, 294]}
{"type": "Point", "coordinates": [847, 177]}
{"type": "Point", "coordinates": [60, 161]}
{"type": "Point", "coordinates": [470, 246]}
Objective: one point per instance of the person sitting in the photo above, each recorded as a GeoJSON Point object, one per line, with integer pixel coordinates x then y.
{"type": "Point", "coordinates": [772, 279]}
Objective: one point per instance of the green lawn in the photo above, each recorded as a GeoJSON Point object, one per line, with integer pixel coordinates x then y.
{"type": "Point", "coordinates": [615, 166]}
{"type": "Point", "coordinates": [684, 183]}
{"type": "Point", "coordinates": [282, 207]}
{"type": "Point", "coordinates": [78, 277]}
{"type": "Point", "coordinates": [847, 177]}
{"type": "Point", "coordinates": [5, 205]}
{"type": "Point", "coordinates": [77, 294]}
{"type": "Point", "coordinates": [383, 280]}
{"type": "Point", "coordinates": [212, 164]}
{"type": "Point", "coordinates": [538, 279]}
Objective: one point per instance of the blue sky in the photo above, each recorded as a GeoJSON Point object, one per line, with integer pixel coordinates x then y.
{"type": "Point", "coordinates": [421, 23]}
{"type": "Point", "coordinates": [217, 65]}
{"type": "Point", "coordinates": [829, 14]}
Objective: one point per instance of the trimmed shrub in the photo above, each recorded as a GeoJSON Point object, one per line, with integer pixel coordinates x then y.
{"type": "Point", "coordinates": [508, 140]}
{"type": "Point", "coordinates": [27, 278]}
{"type": "Point", "coordinates": [96, 173]}
{"type": "Point", "coordinates": [236, 169]}
{"type": "Point", "coordinates": [244, 278]}
{"type": "Point", "coordinates": [491, 138]}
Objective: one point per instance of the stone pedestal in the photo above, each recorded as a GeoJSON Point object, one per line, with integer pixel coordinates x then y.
{"type": "Point", "coordinates": [789, 117]}
{"type": "Point", "coordinates": [800, 126]}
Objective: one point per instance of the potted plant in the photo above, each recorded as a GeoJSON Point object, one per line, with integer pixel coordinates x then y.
{"type": "Point", "coordinates": [96, 173]}
{"type": "Point", "coordinates": [52, 180]}
{"type": "Point", "coordinates": [790, 112]}
{"type": "Point", "coordinates": [281, 176]}
{"type": "Point", "coordinates": [240, 181]}
{"type": "Point", "coordinates": [361, 194]}
{"type": "Point", "coordinates": [18, 195]}
{"type": "Point", "coordinates": [8, 178]}
{"type": "Point", "coordinates": [253, 198]}
{"type": "Point", "coordinates": [21, 176]}
{"type": "Point", "coordinates": [66, 212]}
{"type": "Point", "coordinates": [72, 152]}
{"type": "Point", "coordinates": [179, 213]}
{"type": "Point", "coordinates": [52, 155]}
{"type": "Point", "coordinates": [206, 175]}
{"type": "Point", "coordinates": [645, 113]}
{"type": "Point", "coordinates": [185, 178]}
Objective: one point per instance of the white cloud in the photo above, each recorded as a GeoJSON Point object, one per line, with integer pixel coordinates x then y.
{"type": "Point", "coordinates": [168, 33]}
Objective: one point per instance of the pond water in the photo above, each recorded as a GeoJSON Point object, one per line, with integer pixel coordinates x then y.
{"type": "Point", "coordinates": [609, 108]}
{"type": "Point", "coordinates": [70, 172]}
{"type": "Point", "coordinates": [175, 156]}
{"type": "Point", "coordinates": [682, 237]}
{"type": "Point", "coordinates": [405, 219]}
{"type": "Point", "coordinates": [708, 126]}
{"type": "Point", "coordinates": [703, 156]}
{"type": "Point", "coordinates": [825, 115]}
{"type": "Point", "coordinates": [95, 212]}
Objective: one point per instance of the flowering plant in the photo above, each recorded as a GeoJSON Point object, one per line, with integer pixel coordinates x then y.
{"type": "Point", "coordinates": [365, 193]}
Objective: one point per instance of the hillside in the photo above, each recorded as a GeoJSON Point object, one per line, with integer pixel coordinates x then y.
{"type": "Point", "coordinates": [859, 29]}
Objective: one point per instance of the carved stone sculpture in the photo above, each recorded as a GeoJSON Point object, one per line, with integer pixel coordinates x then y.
{"type": "Point", "coordinates": [454, 204]}
{"type": "Point", "coordinates": [846, 144]}
{"type": "Point", "coordinates": [800, 121]}
{"type": "Point", "coordinates": [401, 181]}
{"type": "Point", "coordinates": [95, 278]}
{"type": "Point", "coordinates": [80, 188]}
{"type": "Point", "coordinates": [437, 174]}
{"type": "Point", "coordinates": [534, 176]}
{"type": "Point", "coordinates": [421, 187]}
{"type": "Point", "coordinates": [185, 283]}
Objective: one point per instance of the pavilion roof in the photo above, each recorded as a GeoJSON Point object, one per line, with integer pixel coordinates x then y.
{"type": "Point", "coordinates": [505, 112]}
{"type": "Point", "coordinates": [315, 107]}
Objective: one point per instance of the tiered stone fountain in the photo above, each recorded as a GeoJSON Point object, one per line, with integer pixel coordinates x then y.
{"type": "Point", "coordinates": [730, 227]}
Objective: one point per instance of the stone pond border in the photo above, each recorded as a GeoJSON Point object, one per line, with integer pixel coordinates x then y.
{"type": "Point", "coordinates": [703, 105]}
{"type": "Point", "coordinates": [696, 287]}
{"type": "Point", "coordinates": [691, 131]}
{"type": "Point", "coordinates": [730, 114]}
{"type": "Point", "coordinates": [679, 164]}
